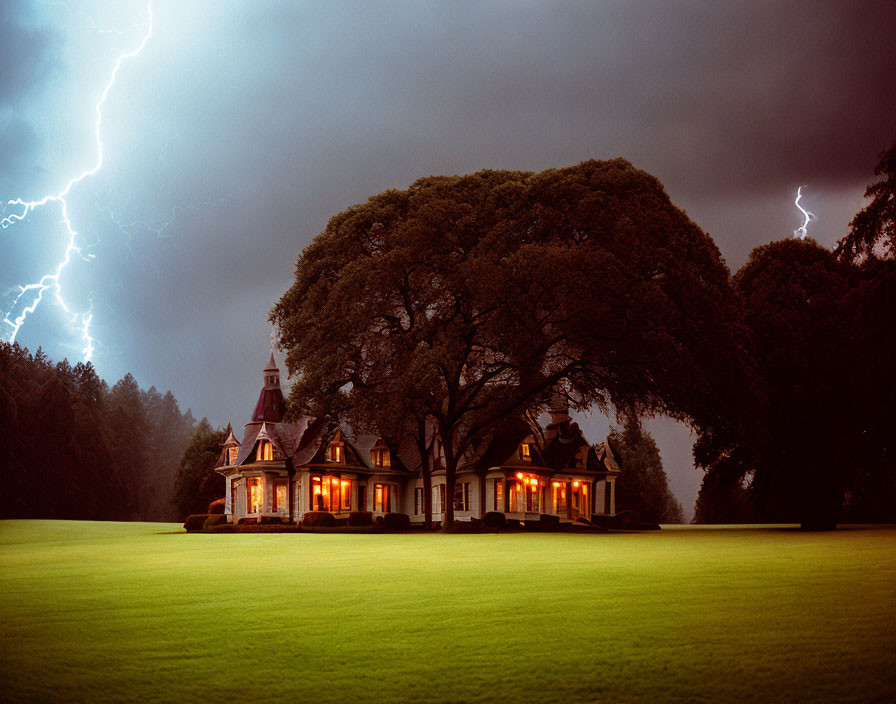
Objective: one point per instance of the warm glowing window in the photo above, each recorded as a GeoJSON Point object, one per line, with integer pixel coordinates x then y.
{"type": "Point", "coordinates": [381, 458]}
{"type": "Point", "coordinates": [265, 450]}
{"type": "Point", "coordinates": [499, 495]}
{"type": "Point", "coordinates": [254, 494]}
{"type": "Point", "coordinates": [331, 494]}
{"type": "Point", "coordinates": [514, 494]}
{"type": "Point", "coordinates": [382, 498]}
{"type": "Point", "coordinates": [232, 452]}
{"type": "Point", "coordinates": [525, 451]}
{"type": "Point", "coordinates": [558, 497]}
{"type": "Point", "coordinates": [462, 496]}
{"type": "Point", "coordinates": [336, 453]}
{"type": "Point", "coordinates": [533, 496]}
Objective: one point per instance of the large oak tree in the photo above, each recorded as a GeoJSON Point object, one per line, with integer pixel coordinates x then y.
{"type": "Point", "coordinates": [473, 298]}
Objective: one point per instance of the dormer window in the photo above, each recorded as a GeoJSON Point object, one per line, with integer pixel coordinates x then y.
{"type": "Point", "coordinates": [265, 451]}
{"type": "Point", "coordinates": [381, 458]}
{"type": "Point", "coordinates": [232, 453]}
{"type": "Point", "coordinates": [336, 453]}
{"type": "Point", "coordinates": [525, 451]}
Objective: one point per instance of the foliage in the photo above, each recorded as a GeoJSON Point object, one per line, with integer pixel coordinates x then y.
{"type": "Point", "coordinates": [683, 614]}
{"type": "Point", "coordinates": [197, 484]}
{"type": "Point", "coordinates": [872, 232]}
{"type": "Point", "coordinates": [473, 298]}
{"type": "Point", "coordinates": [793, 293]}
{"type": "Point", "coordinates": [642, 485]}
{"type": "Point", "coordinates": [73, 448]}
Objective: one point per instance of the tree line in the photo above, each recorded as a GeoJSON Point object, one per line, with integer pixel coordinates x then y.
{"type": "Point", "coordinates": [75, 448]}
{"type": "Point", "coordinates": [436, 312]}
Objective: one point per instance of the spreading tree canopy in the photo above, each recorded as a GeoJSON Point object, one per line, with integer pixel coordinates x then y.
{"type": "Point", "coordinates": [793, 293]}
{"type": "Point", "coordinates": [473, 298]}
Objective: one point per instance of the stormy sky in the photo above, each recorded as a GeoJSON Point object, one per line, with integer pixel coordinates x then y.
{"type": "Point", "coordinates": [241, 128]}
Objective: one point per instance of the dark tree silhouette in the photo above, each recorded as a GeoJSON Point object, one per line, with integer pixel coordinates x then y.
{"type": "Point", "coordinates": [642, 485]}
{"type": "Point", "coordinates": [197, 484]}
{"type": "Point", "coordinates": [872, 233]}
{"type": "Point", "coordinates": [485, 293]}
{"type": "Point", "coordinates": [73, 448]}
{"type": "Point", "coordinates": [793, 293]}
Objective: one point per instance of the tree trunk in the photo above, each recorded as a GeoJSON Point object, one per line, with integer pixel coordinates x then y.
{"type": "Point", "coordinates": [450, 481]}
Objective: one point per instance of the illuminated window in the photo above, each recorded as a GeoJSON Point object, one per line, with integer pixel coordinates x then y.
{"type": "Point", "coordinates": [336, 453]}
{"type": "Point", "coordinates": [381, 458]}
{"type": "Point", "coordinates": [533, 497]}
{"type": "Point", "coordinates": [525, 451]}
{"type": "Point", "coordinates": [331, 494]}
{"type": "Point", "coordinates": [558, 490]}
{"type": "Point", "coordinates": [513, 495]}
{"type": "Point", "coordinates": [254, 494]}
{"type": "Point", "coordinates": [382, 498]}
{"type": "Point", "coordinates": [265, 451]}
{"type": "Point", "coordinates": [232, 452]}
{"type": "Point", "coordinates": [499, 495]}
{"type": "Point", "coordinates": [462, 496]}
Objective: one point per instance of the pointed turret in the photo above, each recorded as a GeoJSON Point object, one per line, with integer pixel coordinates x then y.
{"type": "Point", "coordinates": [270, 402]}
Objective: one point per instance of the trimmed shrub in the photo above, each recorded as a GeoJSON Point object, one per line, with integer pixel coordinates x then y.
{"type": "Point", "coordinates": [360, 518]}
{"type": "Point", "coordinates": [194, 523]}
{"type": "Point", "coordinates": [397, 521]}
{"type": "Point", "coordinates": [247, 521]}
{"type": "Point", "coordinates": [318, 518]}
{"type": "Point", "coordinates": [217, 506]}
{"type": "Point", "coordinates": [494, 519]}
{"type": "Point", "coordinates": [214, 520]}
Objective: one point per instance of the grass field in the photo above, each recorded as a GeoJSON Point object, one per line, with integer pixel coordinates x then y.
{"type": "Point", "coordinates": [144, 612]}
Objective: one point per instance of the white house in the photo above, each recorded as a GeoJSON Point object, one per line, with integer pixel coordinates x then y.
{"type": "Point", "coordinates": [286, 469]}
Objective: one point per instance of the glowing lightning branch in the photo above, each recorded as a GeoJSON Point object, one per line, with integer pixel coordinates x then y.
{"type": "Point", "coordinates": [50, 282]}
{"type": "Point", "coordinates": [809, 217]}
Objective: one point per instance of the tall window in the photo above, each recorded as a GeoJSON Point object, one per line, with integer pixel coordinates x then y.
{"type": "Point", "coordinates": [462, 496]}
{"type": "Point", "coordinates": [381, 458]}
{"type": "Point", "coordinates": [533, 497]}
{"type": "Point", "coordinates": [331, 494]}
{"type": "Point", "coordinates": [513, 495]}
{"type": "Point", "coordinates": [558, 491]}
{"type": "Point", "coordinates": [499, 495]}
{"type": "Point", "coordinates": [419, 506]}
{"type": "Point", "coordinates": [232, 453]}
{"type": "Point", "coordinates": [265, 450]}
{"type": "Point", "coordinates": [438, 495]}
{"type": "Point", "coordinates": [254, 495]}
{"type": "Point", "coordinates": [382, 498]}
{"type": "Point", "coordinates": [336, 453]}
{"type": "Point", "coordinates": [525, 448]}
{"type": "Point", "coordinates": [281, 501]}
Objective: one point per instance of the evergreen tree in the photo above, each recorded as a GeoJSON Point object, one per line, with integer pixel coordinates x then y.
{"type": "Point", "coordinates": [642, 485]}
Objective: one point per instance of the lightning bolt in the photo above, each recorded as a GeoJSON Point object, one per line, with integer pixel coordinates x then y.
{"type": "Point", "coordinates": [49, 283]}
{"type": "Point", "coordinates": [801, 231]}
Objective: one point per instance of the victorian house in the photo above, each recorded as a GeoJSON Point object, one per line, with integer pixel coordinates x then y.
{"type": "Point", "coordinates": [286, 469]}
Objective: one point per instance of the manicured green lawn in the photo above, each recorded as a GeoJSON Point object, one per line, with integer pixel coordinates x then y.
{"type": "Point", "coordinates": [143, 612]}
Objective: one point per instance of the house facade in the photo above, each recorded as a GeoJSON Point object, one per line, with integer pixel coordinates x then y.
{"type": "Point", "coordinates": [283, 470]}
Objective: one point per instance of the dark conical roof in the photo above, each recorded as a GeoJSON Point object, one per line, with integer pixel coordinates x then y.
{"type": "Point", "coordinates": [270, 401]}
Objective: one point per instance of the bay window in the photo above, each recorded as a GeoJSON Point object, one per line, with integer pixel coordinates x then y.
{"type": "Point", "coordinates": [331, 494]}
